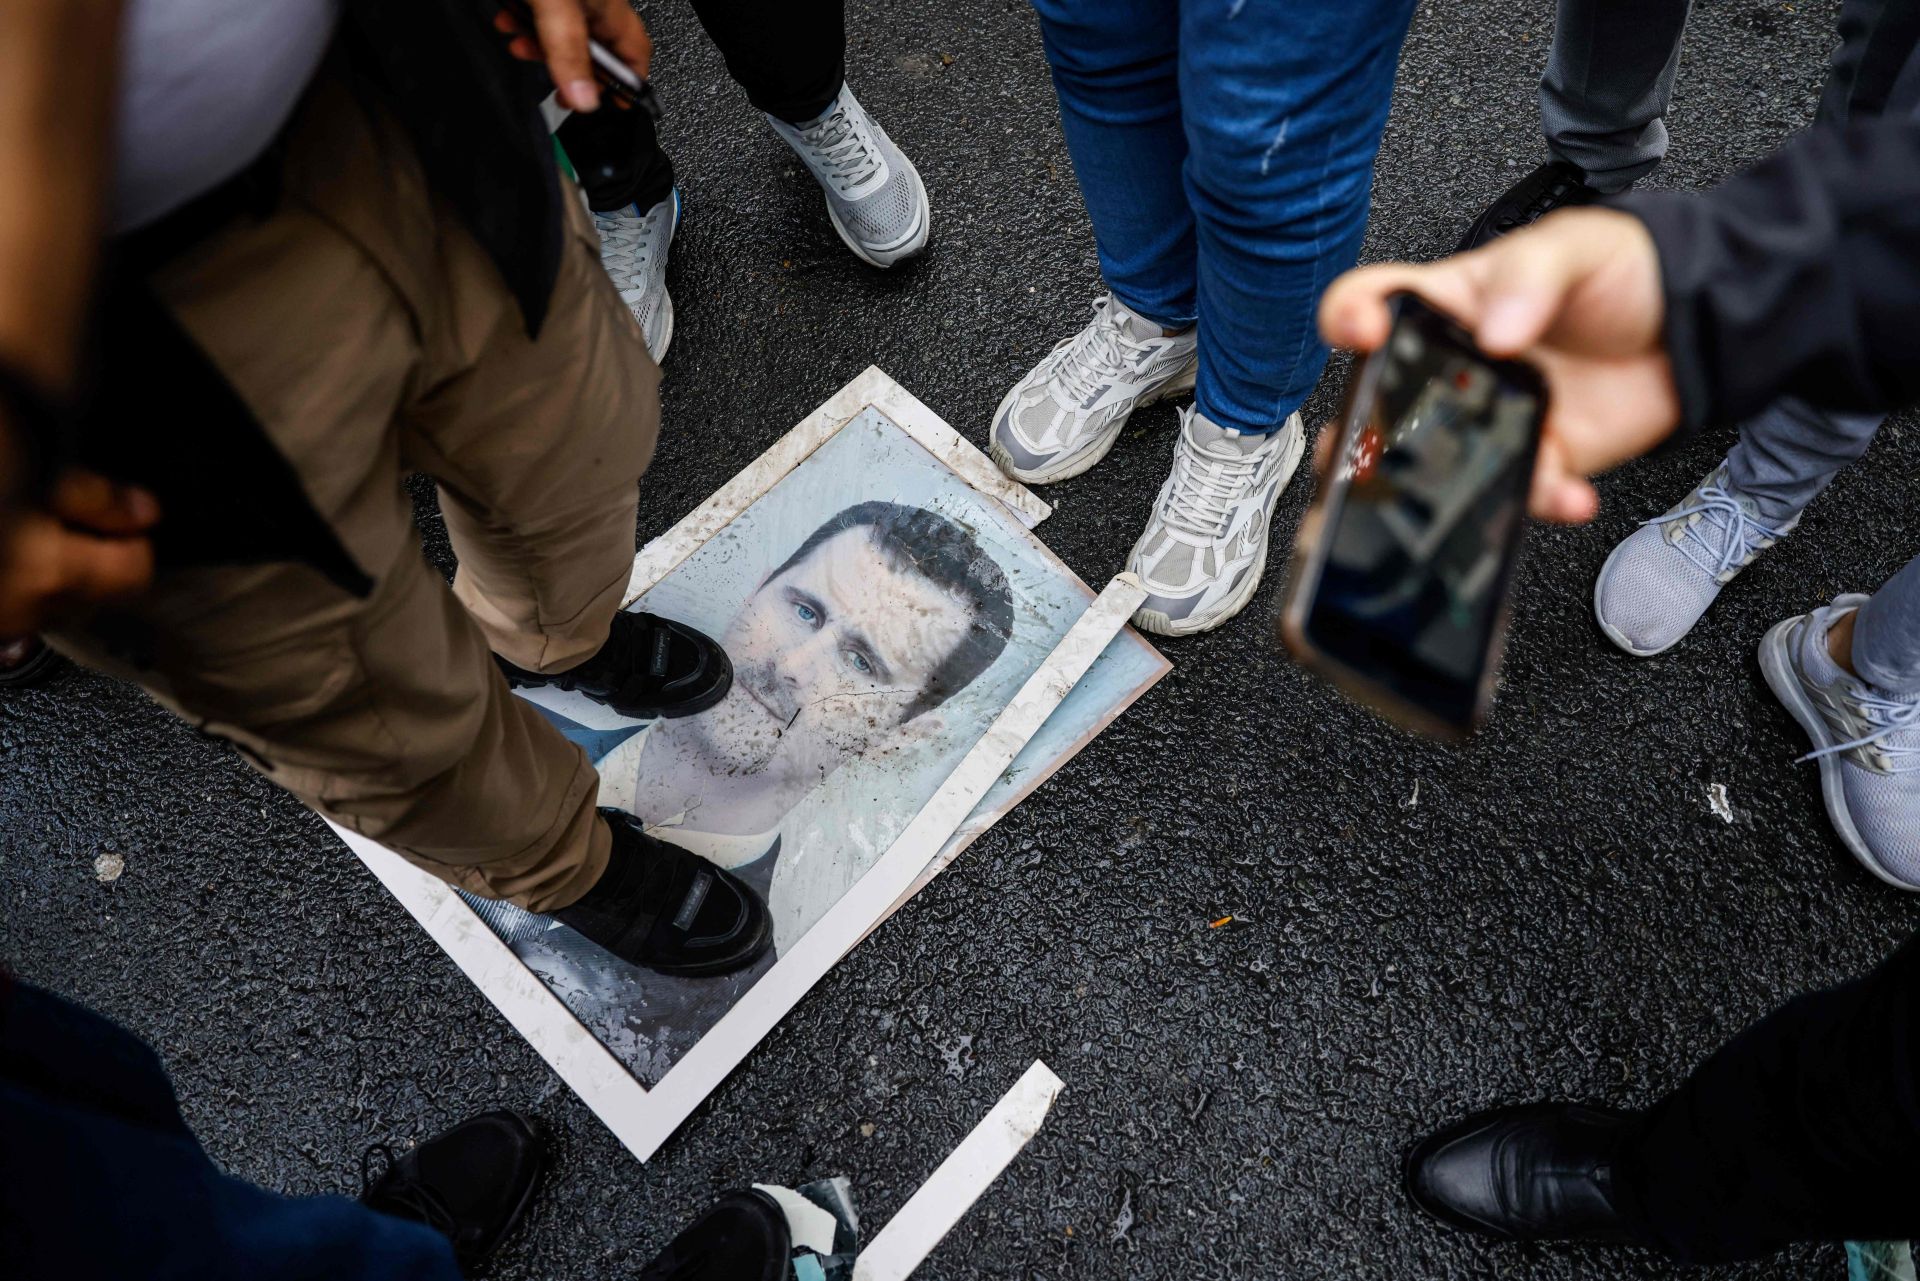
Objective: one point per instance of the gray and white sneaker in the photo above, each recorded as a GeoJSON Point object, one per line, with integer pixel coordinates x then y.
{"type": "Point", "coordinates": [1664, 575]}
{"type": "Point", "coordinates": [1866, 740]}
{"type": "Point", "coordinates": [1205, 548]}
{"type": "Point", "coordinates": [874, 194]}
{"type": "Point", "coordinates": [1064, 416]}
{"type": "Point", "coordinates": [633, 248]}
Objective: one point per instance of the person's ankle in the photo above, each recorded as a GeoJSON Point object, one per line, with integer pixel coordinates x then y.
{"type": "Point", "coordinates": [1840, 642]}
{"type": "Point", "coordinates": [813, 115]}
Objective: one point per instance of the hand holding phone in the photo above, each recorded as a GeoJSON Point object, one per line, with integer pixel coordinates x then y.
{"type": "Point", "coordinates": [1578, 295]}
{"type": "Point", "coordinates": [589, 46]}
{"type": "Point", "coordinates": [1401, 572]}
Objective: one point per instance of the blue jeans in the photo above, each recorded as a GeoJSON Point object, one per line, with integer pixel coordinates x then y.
{"type": "Point", "coordinates": [1225, 149]}
{"type": "Point", "coordinates": [100, 1178]}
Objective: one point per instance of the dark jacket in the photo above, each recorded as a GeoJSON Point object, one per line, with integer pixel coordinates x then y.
{"type": "Point", "coordinates": [1783, 281]}
{"type": "Point", "coordinates": [157, 413]}
{"type": "Point", "coordinates": [1799, 277]}
{"type": "Point", "coordinates": [473, 112]}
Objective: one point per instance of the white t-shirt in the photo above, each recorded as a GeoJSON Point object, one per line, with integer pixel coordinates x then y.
{"type": "Point", "coordinates": [204, 87]}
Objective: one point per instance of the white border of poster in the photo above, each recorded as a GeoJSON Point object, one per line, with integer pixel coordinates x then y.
{"type": "Point", "coordinates": [643, 1118]}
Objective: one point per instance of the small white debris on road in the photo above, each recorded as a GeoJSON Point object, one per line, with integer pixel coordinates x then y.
{"type": "Point", "coordinates": [1718, 802]}
{"type": "Point", "coordinates": [107, 867]}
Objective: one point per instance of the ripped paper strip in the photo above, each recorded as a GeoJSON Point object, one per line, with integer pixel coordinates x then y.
{"type": "Point", "coordinates": [930, 1213]}
{"type": "Point", "coordinates": [812, 1228]}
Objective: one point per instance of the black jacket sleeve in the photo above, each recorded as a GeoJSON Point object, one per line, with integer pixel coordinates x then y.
{"type": "Point", "coordinates": [1799, 277]}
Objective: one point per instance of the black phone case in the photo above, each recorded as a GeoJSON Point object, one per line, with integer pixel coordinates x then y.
{"type": "Point", "coordinates": [1310, 551]}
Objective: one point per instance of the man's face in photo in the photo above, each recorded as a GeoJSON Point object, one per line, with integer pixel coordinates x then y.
{"type": "Point", "coordinates": [828, 656]}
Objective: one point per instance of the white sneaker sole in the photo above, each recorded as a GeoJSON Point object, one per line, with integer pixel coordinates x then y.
{"type": "Point", "coordinates": [666, 328]}
{"type": "Point", "coordinates": [1152, 620]}
{"type": "Point", "coordinates": [666, 299]}
{"type": "Point", "coordinates": [1776, 664]}
{"type": "Point", "coordinates": [912, 245]}
{"type": "Point", "coordinates": [1067, 466]}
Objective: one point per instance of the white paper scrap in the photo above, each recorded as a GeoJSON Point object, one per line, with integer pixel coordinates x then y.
{"type": "Point", "coordinates": [930, 1213]}
{"type": "Point", "coordinates": [812, 1227]}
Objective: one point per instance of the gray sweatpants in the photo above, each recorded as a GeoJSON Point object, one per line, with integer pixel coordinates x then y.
{"type": "Point", "coordinates": [1789, 452]}
{"type": "Point", "coordinates": [1784, 457]}
{"type": "Point", "coordinates": [1602, 105]}
{"type": "Point", "coordinates": [1603, 99]}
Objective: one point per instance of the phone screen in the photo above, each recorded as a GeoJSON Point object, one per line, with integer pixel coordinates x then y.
{"type": "Point", "coordinates": [1424, 512]}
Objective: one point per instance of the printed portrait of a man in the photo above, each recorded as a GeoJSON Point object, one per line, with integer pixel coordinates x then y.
{"type": "Point", "coordinates": [849, 648]}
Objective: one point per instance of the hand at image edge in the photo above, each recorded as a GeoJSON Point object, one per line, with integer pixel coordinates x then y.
{"type": "Point", "coordinates": [87, 546]}
{"type": "Point", "coordinates": [1578, 294]}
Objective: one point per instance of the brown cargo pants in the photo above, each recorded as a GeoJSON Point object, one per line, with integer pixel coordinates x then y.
{"type": "Point", "coordinates": [371, 336]}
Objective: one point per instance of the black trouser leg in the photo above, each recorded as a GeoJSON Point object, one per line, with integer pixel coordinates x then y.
{"type": "Point", "coordinates": [1805, 1127]}
{"type": "Point", "coordinates": [100, 1177]}
{"type": "Point", "coordinates": [789, 56]}
{"type": "Point", "coordinates": [618, 157]}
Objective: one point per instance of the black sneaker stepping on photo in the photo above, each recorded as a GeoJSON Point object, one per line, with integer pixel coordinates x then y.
{"type": "Point", "coordinates": [650, 667]}
{"type": "Point", "coordinates": [669, 910]}
{"type": "Point", "coordinates": [743, 1236]}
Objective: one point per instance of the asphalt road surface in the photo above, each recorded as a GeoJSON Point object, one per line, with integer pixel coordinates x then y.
{"type": "Point", "coordinates": [1552, 910]}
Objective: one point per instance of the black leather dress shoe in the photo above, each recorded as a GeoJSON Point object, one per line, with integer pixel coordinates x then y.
{"type": "Point", "coordinates": [1554, 185]}
{"type": "Point", "coordinates": [650, 667]}
{"type": "Point", "coordinates": [1542, 1172]}
{"type": "Point", "coordinates": [472, 1184]}
{"type": "Point", "coordinates": [743, 1237]}
{"type": "Point", "coordinates": [671, 911]}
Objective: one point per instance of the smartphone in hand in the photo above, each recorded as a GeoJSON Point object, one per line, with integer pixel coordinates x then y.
{"type": "Point", "coordinates": [1400, 576]}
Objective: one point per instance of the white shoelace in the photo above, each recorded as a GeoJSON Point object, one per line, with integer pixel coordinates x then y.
{"type": "Point", "coordinates": [1740, 536]}
{"type": "Point", "coordinates": [1205, 487]}
{"type": "Point", "coordinates": [1089, 362]}
{"type": "Point", "coordinates": [846, 153]}
{"type": "Point", "coordinates": [641, 233]}
{"type": "Point", "coordinates": [1888, 717]}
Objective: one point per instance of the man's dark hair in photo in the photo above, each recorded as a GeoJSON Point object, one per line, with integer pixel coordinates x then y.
{"type": "Point", "coordinates": [946, 554]}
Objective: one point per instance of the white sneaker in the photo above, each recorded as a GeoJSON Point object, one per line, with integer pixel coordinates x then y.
{"type": "Point", "coordinates": [874, 194]}
{"type": "Point", "coordinates": [633, 248]}
{"type": "Point", "coordinates": [1206, 546]}
{"type": "Point", "coordinates": [1064, 416]}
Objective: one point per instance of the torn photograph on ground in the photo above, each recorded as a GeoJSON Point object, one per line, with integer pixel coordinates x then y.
{"type": "Point", "coordinates": [879, 613]}
{"type": "Point", "coordinates": [885, 604]}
